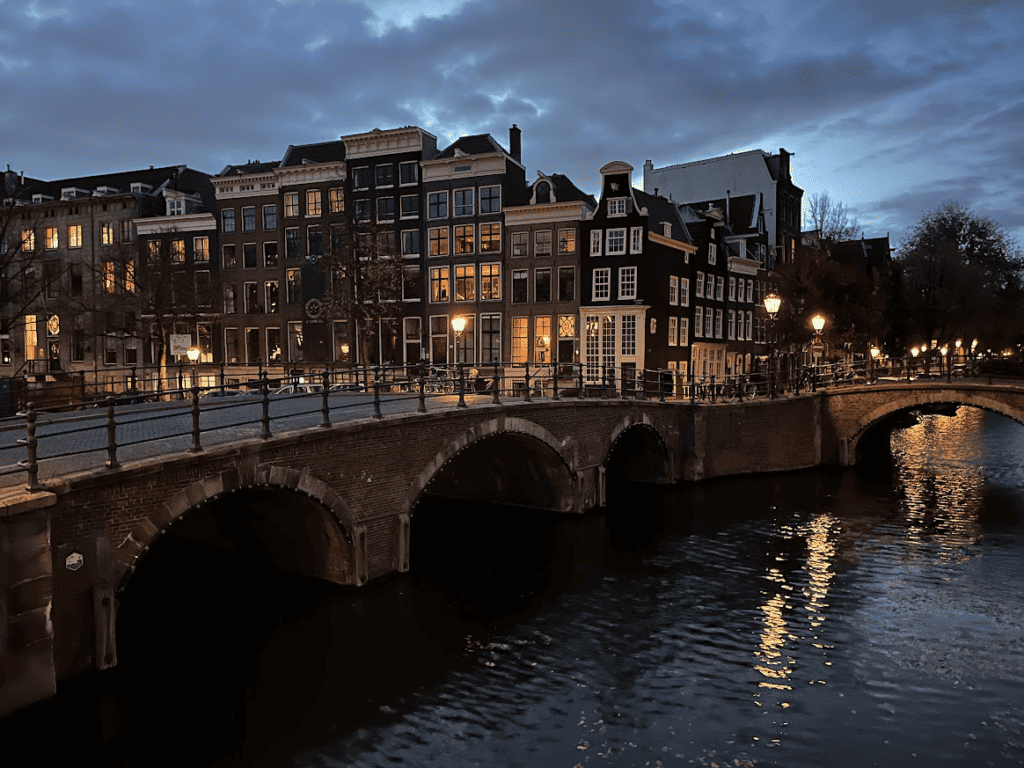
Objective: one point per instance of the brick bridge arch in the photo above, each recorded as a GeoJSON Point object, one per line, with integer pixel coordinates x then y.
{"type": "Point", "coordinates": [862, 416]}
{"type": "Point", "coordinates": [349, 535]}
{"type": "Point", "coordinates": [642, 422]}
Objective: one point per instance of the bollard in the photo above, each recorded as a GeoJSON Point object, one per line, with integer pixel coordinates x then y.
{"type": "Point", "coordinates": [112, 462]}
{"type": "Point", "coordinates": [325, 377]}
{"type": "Point", "coordinates": [196, 447]}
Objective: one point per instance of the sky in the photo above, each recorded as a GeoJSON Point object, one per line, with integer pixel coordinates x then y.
{"type": "Point", "coordinates": [892, 107]}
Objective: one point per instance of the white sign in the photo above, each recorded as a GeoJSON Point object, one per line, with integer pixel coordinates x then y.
{"type": "Point", "coordinates": [74, 561]}
{"type": "Point", "coordinates": [180, 343]}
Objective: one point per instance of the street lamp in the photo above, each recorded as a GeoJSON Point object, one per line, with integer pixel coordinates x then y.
{"type": "Point", "coordinates": [945, 351]}
{"type": "Point", "coordinates": [193, 358]}
{"type": "Point", "coordinates": [772, 302]}
{"type": "Point", "coordinates": [818, 324]}
{"type": "Point", "coordinates": [458, 325]}
{"type": "Point", "coordinates": [875, 352]}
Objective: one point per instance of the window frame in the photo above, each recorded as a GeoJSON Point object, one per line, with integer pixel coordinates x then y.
{"type": "Point", "coordinates": [601, 284]}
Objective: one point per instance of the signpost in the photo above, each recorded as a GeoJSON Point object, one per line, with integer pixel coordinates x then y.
{"type": "Point", "coordinates": [180, 344]}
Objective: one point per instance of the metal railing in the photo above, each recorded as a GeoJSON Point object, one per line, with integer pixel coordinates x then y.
{"type": "Point", "coordinates": [151, 417]}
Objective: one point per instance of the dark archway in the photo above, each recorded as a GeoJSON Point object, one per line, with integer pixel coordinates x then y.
{"type": "Point", "coordinates": [638, 454]}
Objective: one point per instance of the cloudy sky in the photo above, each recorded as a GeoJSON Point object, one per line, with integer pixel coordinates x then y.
{"type": "Point", "coordinates": [891, 106]}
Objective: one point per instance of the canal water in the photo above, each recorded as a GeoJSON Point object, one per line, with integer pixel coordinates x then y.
{"type": "Point", "coordinates": [820, 618]}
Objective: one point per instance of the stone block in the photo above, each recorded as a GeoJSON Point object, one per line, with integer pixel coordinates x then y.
{"type": "Point", "coordinates": [145, 532]}
{"type": "Point", "coordinates": [29, 595]}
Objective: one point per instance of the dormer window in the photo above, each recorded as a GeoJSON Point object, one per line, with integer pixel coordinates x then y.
{"type": "Point", "coordinates": [176, 207]}
{"type": "Point", "coordinates": [617, 206]}
{"type": "Point", "coordinates": [666, 228]}
{"type": "Point", "coordinates": [138, 188]}
{"type": "Point", "coordinates": [543, 192]}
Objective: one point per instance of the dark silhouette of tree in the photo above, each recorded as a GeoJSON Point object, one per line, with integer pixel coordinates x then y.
{"type": "Point", "coordinates": [829, 221]}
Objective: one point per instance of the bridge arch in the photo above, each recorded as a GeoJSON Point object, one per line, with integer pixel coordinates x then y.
{"type": "Point", "coordinates": [555, 448]}
{"type": "Point", "coordinates": [651, 459]}
{"type": "Point", "coordinates": [911, 399]}
{"type": "Point", "coordinates": [347, 534]}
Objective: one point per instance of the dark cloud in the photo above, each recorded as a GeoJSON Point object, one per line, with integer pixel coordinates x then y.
{"type": "Point", "coordinates": [901, 105]}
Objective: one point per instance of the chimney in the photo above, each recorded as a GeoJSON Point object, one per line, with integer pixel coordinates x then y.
{"type": "Point", "coordinates": [515, 143]}
{"type": "Point", "coordinates": [728, 221]}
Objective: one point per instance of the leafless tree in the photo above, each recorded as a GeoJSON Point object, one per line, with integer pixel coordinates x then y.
{"type": "Point", "coordinates": [830, 220]}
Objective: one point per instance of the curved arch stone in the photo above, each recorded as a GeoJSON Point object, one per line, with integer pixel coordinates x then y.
{"type": "Point", "coordinates": [246, 475]}
{"type": "Point", "coordinates": [500, 425]}
{"type": "Point", "coordinates": [966, 397]}
{"type": "Point", "coordinates": [633, 421]}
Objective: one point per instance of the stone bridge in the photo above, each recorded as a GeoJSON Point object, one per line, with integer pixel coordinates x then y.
{"type": "Point", "coordinates": [346, 494]}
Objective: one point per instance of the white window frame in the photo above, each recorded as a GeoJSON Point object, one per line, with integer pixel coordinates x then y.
{"type": "Point", "coordinates": [472, 202]}
{"type": "Point", "coordinates": [741, 290]}
{"type": "Point", "coordinates": [684, 291]}
{"type": "Point", "coordinates": [698, 322]}
{"type": "Point", "coordinates": [712, 253]}
{"type": "Point", "coordinates": [601, 289]}
{"type": "Point", "coordinates": [731, 328]}
{"type": "Point", "coordinates": [732, 288]}
{"type": "Point", "coordinates": [636, 240]}
{"type": "Point", "coordinates": [673, 331]}
{"type": "Point", "coordinates": [617, 206]}
{"type": "Point", "coordinates": [720, 288]}
{"type": "Point", "coordinates": [595, 242]}
{"type": "Point", "coordinates": [673, 290]}
{"type": "Point", "coordinates": [684, 332]}
{"type": "Point", "coordinates": [616, 233]}
{"type": "Point", "coordinates": [627, 283]}
{"type": "Point", "coordinates": [699, 288]}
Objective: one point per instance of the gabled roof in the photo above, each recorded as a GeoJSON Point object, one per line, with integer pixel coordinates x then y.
{"type": "Point", "coordinates": [660, 209]}
{"type": "Point", "coordinates": [322, 152]}
{"type": "Point", "coordinates": [742, 211]}
{"type": "Point", "coordinates": [253, 166]}
{"type": "Point", "coordinates": [179, 177]}
{"type": "Point", "coordinates": [478, 144]}
{"type": "Point", "coordinates": [566, 191]}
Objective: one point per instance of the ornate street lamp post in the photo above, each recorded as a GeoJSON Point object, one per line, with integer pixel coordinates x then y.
{"type": "Point", "coordinates": [772, 302]}
{"type": "Point", "coordinates": [914, 353]}
{"type": "Point", "coordinates": [946, 361]}
{"type": "Point", "coordinates": [875, 352]}
{"type": "Point", "coordinates": [193, 358]}
{"type": "Point", "coordinates": [818, 324]}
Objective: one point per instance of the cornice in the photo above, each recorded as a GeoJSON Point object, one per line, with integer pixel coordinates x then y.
{"type": "Point", "coordinates": [377, 143]}
{"type": "Point", "coordinates": [654, 237]}
{"type": "Point", "coordinates": [569, 211]}
{"type": "Point", "coordinates": [190, 222]}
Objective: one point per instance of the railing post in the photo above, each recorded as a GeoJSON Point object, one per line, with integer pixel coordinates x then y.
{"type": "Point", "coordinates": [135, 380]}
{"type": "Point", "coordinates": [422, 407]}
{"type": "Point", "coordinates": [112, 462]}
{"type": "Point", "coordinates": [526, 397]}
{"type": "Point", "coordinates": [326, 408]}
{"type": "Point", "coordinates": [222, 377]}
{"type": "Point", "coordinates": [693, 385]}
{"type": "Point", "coordinates": [265, 389]}
{"type": "Point", "coordinates": [196, 447]}
{"type": "Point", "coordinates": [376, 393]}
{"type": "Point", "coordinates": [661, 386]}
{"type": "Point", "coordinates": [579, 395]}
{"type": "Point", "coordinates": [496, 399]}
{"type": "Point", "coordinates": [462, 385]}
{"type": "Point", "coordinates": [181, 384]}
{"type": "Point", "coordinates": [554, 381]}
{"type": "Point", "coordinates": [604, 381]}
{"type": "Point", "coordinates": [31, 444]}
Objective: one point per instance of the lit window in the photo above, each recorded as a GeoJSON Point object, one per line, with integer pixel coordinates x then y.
{"type": "Point", "coordinates": [520, 339]}
{"type": "Point", "coordinates": [28, 240]}
{"type": "Point", "coordinates": [567, 241]}
{"type": "Point", "coordinates": [439, 241]}
{"type": "Point", "coordinates": [336, 199]}
{"type": "Point", "coordinates": [439, 284]}
{"type": "Point", "coordinates": [490, 282]}
{"type": "Point", "coordinates": [201, 249]}
{"type": "Point", "coordinates": [75, 236]}
{"type": "Point", "coordinates": [313, 202]}
{"type": "Point", "coordinates": [291, 204]}
{"type": "Point", "coordinates": [270, 293]}
{"type": "Point", "coordinates": [107, 233]}
{"type": "Point", "coordinates": [51, 238]}
{"type": "Point", "coordinates": [464, 239]}
{"type": "Point", "coordinates": [542, 339]}
{"type": "Point", "coordinates": [129, 277]}
{"type": "Point", "coordinates": [602, 284]}
{"type": "Point", "coordinates": [616, 242]}
{"type": "Point", "coordinates": [109, 277]}
{"type": "Point", "coordinates": [490, 238]}
{"type": "Point", "coordinates": [465, 282]}
{"type": "Point", "coordinates": [627, 283]}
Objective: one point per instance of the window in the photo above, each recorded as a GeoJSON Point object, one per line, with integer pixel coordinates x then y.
{"type": "Point", "coordinates": [464, 239]}
{"type": "Point", "coordinates": [740, 289]}
{"type": "Point", "coordinates": [249, 218]}
{"type": "Point", "coordinates": [617, 206]}
{"type": "Point", "coordinates": [718, 323]}
{"type": "Point", "coordinates": [295, 342]}
{"type": "Point", "coordinates": [490, 338]}
{"type": "Point", "coordinates": [385, 209]}
{"type": "Point", "coordinates": [293, 283]}
{"type": "Point", "coordinates": [270, 216]}
{"type": "Point", "coordinates": [109, 277]}
{"type": "Point", "coordinates": [595, 242]}
{"type": "Point", "coordinates": [708, 320]}
{"type": "Point", "coordinates": [712, 253]}
{"type": "Point", "coordinates": [463, 202]}
{"type": "Point", "coordinates": [177, 251]}
{"type": "Point", "coordinates": [50, 238]}
{"type": "Point", "coordinates": [270, 291]}
{"type": "Point", "coordinates": [519, 286]}
{"type": "Point", "coordinates": [684, 331]}
{"type": "Point", "coordinates": [490, 282]}
{"type": "Point", "coordinates": [750, 291]}
{"type": "Point", "coordinates": [270, 255]}
{"type": "Point", "coordinates": [490, 238]}
{"type": "Point", "coordinates": [227, 220]}
{"type": "Point", "coordinates": [106, 233]}
{"type": "Point", "coordinates": [411, 242]}
{"type": "Point", "coordinates": [362, 210]}
{"type": "Point", "coordinates": [439, 241]}
{"type": "Point", "coordinates": [465, 282]}
{"type": "Point", "coordinates": [700, 285]}
{"type": "Point", "coordinates": [439, 284]}
{"type": "Point", "coordinates": [411, 286]}
{"type": "Point", "coordinates": [28, 240]}
{"type": "Point", "coordinates": [602, 284]}
{"type": "Point", "coordinates": [228, 259]}
{"type": "Point", "coordinates": [336, 199]}
{"type": "Point", "coordinates": [542, 284]}
{"type": "Point", "coordinates": [337, 239]}
{"type": "Point", "coordinates": [249, 255]}
{"type": "Point", "coordinates": [201, 249]}
{"type": "Point", "coordinates": [291, 243]}
{"type": "Point", "coordinates": [542, 339]}
{"type": "Point", "coordinates": [437, 205]}
{"type": "Point", "coordinates": [490, 199]}
{"type": "Point", "coordinates": [616, 242]}
{"type": "Point", "coordinates": [542, 242]}
{"type": "Point", "coordinates": [627, 283]}
{"type": "Point", "coordinates": [126, 231]}
{"type": "Point", "coordinates": [731, 328]}
{"type": "Point", "coordinates": [732, 288]}
{"type": "Point", "coordinates": [567, 241]}
{"type": "Point", "coordinates": [315, 241]}
{"type": "Point", "coordinates": [750, 325]}
{"type": "Point", "coordinates": [410, 206]}
{"type": "Point", "coordinates": [629, 334]}
{"type": "Point", "coordinates": [719, 289]}
{"type": "Point", "coordinates": [154, 250]}
{"type": "Point", "coordinates": [75, 279]}
{"type": "Point", "coordinates": [385, 175]}
{"type": "Point", "coordinates": [684, 291]}
{"type": "Point", "coordinates": [698, 321]}
{"type": "Point", "coordinates": [75, 236]}
{"type": "Point", "coordinates": [252, 298]}
{"type": "Point", "coordinates": [673, 290]}
{"type": "Point", "coordinates": [408, 173]}
{"type": "Point", "coordinates": [361, 178]}
{"type": "Point", "coordinates": [636, 240]}
{"type": "Point", "coordinates": [566, 283]}
{"type": "Point", "coordinates": [51, 279]}
{"type": "Point", "coordinates": [673, 331]}
{"type": "Point", "coordinates": [520, 339]}
{"type": "Point", "coordinates": [291, 204]}
{"type": "Point", "coordinates": [520, 244]}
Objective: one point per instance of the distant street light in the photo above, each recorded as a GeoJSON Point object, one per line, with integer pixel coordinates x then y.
{"type": "Point", "coordinates": [193, 357]}
{"type": "Point", "coordinates": [772, 302]}
{"type": "Point", "coordinates": [458, 325]}
{"type": "Point", "coordinates": [818, 323]}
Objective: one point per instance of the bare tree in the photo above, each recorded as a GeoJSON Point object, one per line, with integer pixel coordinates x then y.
{"type": "Point", "coordinates": [830, 220]}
